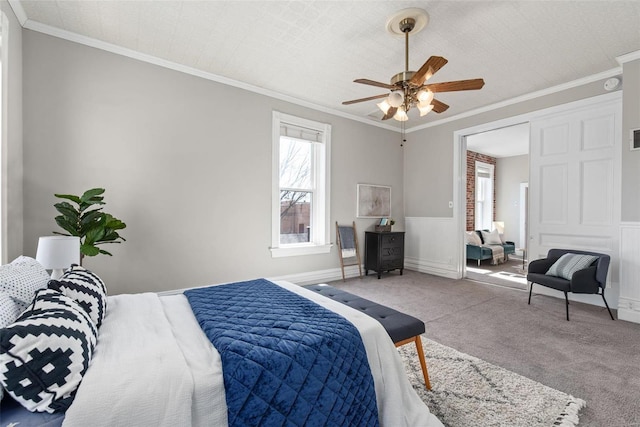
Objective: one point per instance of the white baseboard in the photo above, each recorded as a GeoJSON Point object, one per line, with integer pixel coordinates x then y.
{"type": "Point", "coordinates": [320, 276]}
{"type": "Point", "coordinates": [307, 278]}
{"type": "Point", "coordinates": [629, 310]}
{"type": "Point", "coordinates": [442, 270]}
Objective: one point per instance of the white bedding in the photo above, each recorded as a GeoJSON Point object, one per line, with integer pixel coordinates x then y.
{"type": "Point", "coordinates": [153, 366]}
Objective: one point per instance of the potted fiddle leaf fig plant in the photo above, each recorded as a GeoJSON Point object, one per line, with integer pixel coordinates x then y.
{"type": "Point", "coordinates": [83, 216]}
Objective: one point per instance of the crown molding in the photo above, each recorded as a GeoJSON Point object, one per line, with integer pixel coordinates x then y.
{"type": "Point", "coordinates": [544, 92]}
{"type": "Point", "coordinates": [628, 57]}
{"type": "Point", "coordinates": [130, 53]}
{"type": "Point", "coordinates": [18, 10]}
{"type": "Point", "coordinates": [134, 54]}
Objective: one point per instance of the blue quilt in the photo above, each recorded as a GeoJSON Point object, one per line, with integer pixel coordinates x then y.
{"type": "Point", "coordinates": [286, 360]}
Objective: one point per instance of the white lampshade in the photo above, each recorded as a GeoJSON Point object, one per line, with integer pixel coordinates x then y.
{"type": "Point", "coordinates": [499, 225]}
{"type": "Point", "coordinates": [395, 99]}
{"type": "Point", "coordinates": [424, 108]}
{"type": "Point", "coordinates": [401, 115]}
{"type": "Point", "coordinates": [425, 96]}
{"type": "Point", "coordinates": [384, 106]}
{"type": "Point", "coordinates": [58, 253]}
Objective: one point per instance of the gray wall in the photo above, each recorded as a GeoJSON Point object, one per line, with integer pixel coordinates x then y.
{"type": "Point", "coordinates": [186, 163]}
{"type": "Point", "coordinates": [630, 159]}
{"type": "Point", "coordinates": [510, 173]}
{"type": "Point", "coordinates": [12, 165]}
{"type": "Point", "coordinates": [428, 154]}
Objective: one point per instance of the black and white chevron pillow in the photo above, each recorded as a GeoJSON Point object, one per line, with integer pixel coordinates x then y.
{"type": "Point", "coordinates": [86, 288]}
{"type": "Point", "coordinates": [46, 351]}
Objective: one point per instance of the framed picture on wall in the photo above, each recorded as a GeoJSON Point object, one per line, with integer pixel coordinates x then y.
{"type": "Point", "coordinates": [374, 201]}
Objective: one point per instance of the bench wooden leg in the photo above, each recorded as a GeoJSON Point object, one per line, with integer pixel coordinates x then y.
{"type": "Point", "coordinates": [423, 363]}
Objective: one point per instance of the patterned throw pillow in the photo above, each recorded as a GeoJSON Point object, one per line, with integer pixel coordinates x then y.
{"type": "Point", "coordinates": [569, 263]}
{"type": "Point", "coordinates": [22, 278]}
{"type": "Point", "coordinates": [86, 288]}
{"type": "Point", "coordinates": [45, 353]}
{"type": "Point", "coordinates": [9, 310]}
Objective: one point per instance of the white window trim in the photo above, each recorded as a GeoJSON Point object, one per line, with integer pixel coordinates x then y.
{"type": "Point", "coordinates": [491, 168]}
{"type": "Point", "coordinates": [321, 242]}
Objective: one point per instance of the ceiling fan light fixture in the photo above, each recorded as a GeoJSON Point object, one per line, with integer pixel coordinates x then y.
{"type": "Point", "coordinates": [395, 99]}
{"type": "Point", "coordinates": [425, 96]}
{"type": "Point", "coordinates": [408, 88]}
{"type": "Point", "coordinates": [384, 106]}
{"type": "Point", "coordinates": [401, 115]}
{"type": "Point", "coordinates": [424, 109]}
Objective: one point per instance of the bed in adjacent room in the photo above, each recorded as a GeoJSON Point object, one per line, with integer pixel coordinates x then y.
{"type": "Point", "coordinates": [154, 363]}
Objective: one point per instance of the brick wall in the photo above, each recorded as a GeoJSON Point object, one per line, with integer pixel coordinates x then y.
{"type": "Point", "coordinates": [472, 157]}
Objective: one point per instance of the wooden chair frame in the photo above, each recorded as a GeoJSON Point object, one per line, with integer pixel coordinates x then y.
{"type": "Point", "coordinates": [355, 240]}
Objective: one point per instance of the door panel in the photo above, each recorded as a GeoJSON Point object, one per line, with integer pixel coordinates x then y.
{"type": "Point", "coordinates": [574, 188]}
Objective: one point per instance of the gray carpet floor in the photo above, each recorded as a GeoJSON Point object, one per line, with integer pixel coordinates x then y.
{"type": "Point", "coordinates": [510, 273]}
{"type": "Point", "coordinates": [591, 357]}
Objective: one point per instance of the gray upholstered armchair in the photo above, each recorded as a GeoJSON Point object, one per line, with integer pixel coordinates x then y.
{"type": "Point", "coordinates": [589, 280]}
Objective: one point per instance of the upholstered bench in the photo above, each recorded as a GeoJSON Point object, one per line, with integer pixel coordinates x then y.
{"type": "Point", "coordinates": [402, 328]}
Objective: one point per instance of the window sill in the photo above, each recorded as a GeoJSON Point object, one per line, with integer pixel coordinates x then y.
{"type": "Point", "coordinates": [300, 250]}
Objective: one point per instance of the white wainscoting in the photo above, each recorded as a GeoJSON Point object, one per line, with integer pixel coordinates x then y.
{"type": "Point", "coordinates": [629, 301]}
{"type": "Point", "coordinates": [431, 246]}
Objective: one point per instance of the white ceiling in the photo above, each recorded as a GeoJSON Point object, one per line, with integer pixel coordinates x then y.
{"type": "Point", "coordinates": [504, 142]}
{"type": "Point", "coordinates": [312, 51]}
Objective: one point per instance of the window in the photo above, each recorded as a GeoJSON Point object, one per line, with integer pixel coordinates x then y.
{"type": "Point", "coordinates": [300, 201]}
{"type": "Point", "coordinates": [484, 196]}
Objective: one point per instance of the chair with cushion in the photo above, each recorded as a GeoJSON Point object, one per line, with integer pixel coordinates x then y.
{"type": "Point", "coordinates": [567, 270]}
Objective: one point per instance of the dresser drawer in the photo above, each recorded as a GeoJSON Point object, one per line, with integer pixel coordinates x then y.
{"type": "Point", "coordinates": [391, 264]}
{"type": "Point", "coordinates": [392, 241]}
{"type": "Point", "coordinates": [391, 252]}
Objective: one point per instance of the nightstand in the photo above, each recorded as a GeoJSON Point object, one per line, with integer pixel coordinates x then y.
{"type": "Point", "coordinates": [383, 251]}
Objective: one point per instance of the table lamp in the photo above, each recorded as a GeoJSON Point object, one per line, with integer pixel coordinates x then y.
{"type": "Point", "coordinates": [498, 225]}
{"type": "Point", "coordinates": [57, 253]}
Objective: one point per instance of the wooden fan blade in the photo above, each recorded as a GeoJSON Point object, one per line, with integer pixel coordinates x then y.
{"type": "Point", "coordinates": [472, 84]}
{"type": "Point", "coordinates": [390, 113]}
{"type": "Point", "coordinates": [427, 70]}
{"type": "Point", "coordinates": [353, 101]}
{"type": "Point", "coordinates": [438, 106]}
{"type": "Point", "coordinates": [374, 83]}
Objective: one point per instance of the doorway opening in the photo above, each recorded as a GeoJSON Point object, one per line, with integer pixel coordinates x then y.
{"type": "Point", "coordinates": [494, 201]}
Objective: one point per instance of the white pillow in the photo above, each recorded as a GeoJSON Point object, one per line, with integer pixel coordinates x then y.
{"type": "Point", "coordinates": [9, 310]}
{"type": "Point", "coordinates": [22, 278]}
{"type": "Point", "coordinates": [472, 238]}
{"type": "Point", "coordinates": [491, 237]}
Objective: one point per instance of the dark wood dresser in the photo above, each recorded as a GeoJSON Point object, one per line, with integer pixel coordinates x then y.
{"type": "Point", "coordinates": [383, 251]}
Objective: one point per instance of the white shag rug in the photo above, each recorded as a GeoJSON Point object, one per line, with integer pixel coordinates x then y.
{"type": "Point", "coordinates": [466, 391]}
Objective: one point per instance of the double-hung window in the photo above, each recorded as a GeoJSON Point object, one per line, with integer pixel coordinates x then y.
{"type": "Point", "coordinates": [484, 196]}
{"type": "Point", "coordinates": [300, 196]}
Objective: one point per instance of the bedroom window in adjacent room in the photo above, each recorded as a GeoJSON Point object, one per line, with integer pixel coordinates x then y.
{"type": "Point", "coordinates": [300, 196]}
{"type": "Point", "coordinates": [484, 196]}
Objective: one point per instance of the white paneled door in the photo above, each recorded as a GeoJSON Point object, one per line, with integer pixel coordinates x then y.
{"type": "Point", "coordinates": [574, 182]}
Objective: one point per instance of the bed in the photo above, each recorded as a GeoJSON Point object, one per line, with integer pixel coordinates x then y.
{"type": "Point", "coordinates": [154, 366]}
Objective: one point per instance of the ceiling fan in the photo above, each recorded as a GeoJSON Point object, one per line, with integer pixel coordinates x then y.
{"type": "Point", "coordinates": [409, 88]}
